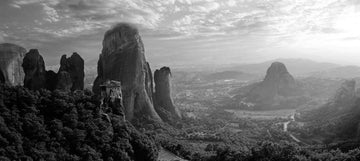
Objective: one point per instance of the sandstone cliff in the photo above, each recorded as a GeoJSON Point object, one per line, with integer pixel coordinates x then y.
{"type": "Point", "coordinates": [123, 59]}
{"type": "Point", "coordinates": [64, 81]}
{"type": "Point", "coordinates": [34, 68]}
{"type": "Point", "coordinates": [11, 58]}
{"type": "Point", "coordinates": [163, 102]}
{"type": "Point", "coordinates": [74, 65]}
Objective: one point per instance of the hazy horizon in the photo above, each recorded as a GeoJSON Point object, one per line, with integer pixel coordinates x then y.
{"type": "Point", "coordinates": [190, 32]}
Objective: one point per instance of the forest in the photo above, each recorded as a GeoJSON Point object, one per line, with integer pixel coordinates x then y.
{"type": "Point", "coordinates": [45, 125]}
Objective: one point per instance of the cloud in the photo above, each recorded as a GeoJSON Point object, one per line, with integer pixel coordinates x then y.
{"type": "Point", "coordinates": [52, 15]}
{"type": "Point", "coordinates": [205, 7]}
{"type": "Point", "coordinates": [14, 5]}
{"type": "Point", "coordinates": [181, 19]}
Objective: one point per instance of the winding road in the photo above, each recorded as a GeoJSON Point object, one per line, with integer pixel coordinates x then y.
{"type": "Point", "coordinates": [292, 118]}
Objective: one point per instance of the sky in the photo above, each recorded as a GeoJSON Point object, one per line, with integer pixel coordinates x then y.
{"type": "Point", "coordinates": [190, 32]}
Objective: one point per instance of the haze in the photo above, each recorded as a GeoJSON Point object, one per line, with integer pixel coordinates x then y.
{"type": "Point", "coordinates": [190, 32]}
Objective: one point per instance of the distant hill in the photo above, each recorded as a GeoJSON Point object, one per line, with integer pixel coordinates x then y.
{"type": "Point", "coordinates": [297, 67]}
{"type": "Point", "coordinates": [278, 90]}
{"type": "Point", "coordinates": [338, 118]}
{"type": "Point", "coordinates": [344, 72]}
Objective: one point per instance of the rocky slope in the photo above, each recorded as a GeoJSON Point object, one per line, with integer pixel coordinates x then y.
{"type": "Point", "coordinates": [123, 59]}
{"type": "Point", "coordinates": [341, 103]}
{"type": "Point", "coordinates": [11, 58]}
{"type": "Point", "coordinates": [163, 102]}
{"type": "Point", "coordinates": [345, 94]}
{"type": "Point", "coordinates": [338, 119]}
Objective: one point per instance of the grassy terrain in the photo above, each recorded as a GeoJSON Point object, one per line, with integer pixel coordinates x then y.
{"type": "Point", "coordinates": [263, 115]}
{"type": "Point", "coordinates": [165, 155]}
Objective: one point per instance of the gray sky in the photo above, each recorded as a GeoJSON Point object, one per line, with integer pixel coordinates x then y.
{"type": "Point", "coordinates": [190, 32]}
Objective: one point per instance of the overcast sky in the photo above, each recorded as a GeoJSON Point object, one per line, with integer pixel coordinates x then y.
{"type": "Point", "coordinates": [188, 32]}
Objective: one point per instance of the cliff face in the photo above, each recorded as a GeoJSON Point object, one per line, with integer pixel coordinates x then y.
{"type": "Point", "coordinates": [11, 58]}
{"type": "Point", "coordinates": [64, 81]}
{"type": "Point", "coordinates": [34, 68]}
{"type": "Point", "coordinates": [122, 59]}
{"type": "Point", "coordinates": [70, 76]}
{"type": "Point", "coordinates": [163, 101]}
{"type": "Point", "coordinates": [74, 65]}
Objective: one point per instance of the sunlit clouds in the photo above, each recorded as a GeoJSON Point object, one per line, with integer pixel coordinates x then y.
{"type": "Point", "coordinates": [201, 31]}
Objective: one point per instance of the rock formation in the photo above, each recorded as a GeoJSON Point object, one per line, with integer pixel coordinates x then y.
{"type": "Point", "coordinates": [122, 59]}
{"type": "Point", "coordinates": [278, 90]}
{"type": "Point", "coordinates": [163, 100]}
{"type": "Point", "coordinates": [34, 68]}
{"type": "Point", "coordinates": [11, 58]}
{"type": "Point", "coordinates": [75, 67]}
{"type": "Point", "coordinates": [70, 75]}
{"type": "Point", "coordinates": [278, 82]}
{"type": "Point", "coordinates": [344, 95]}
{"type": "Point", "coordinates": [64, 81]}
{"type": "Point", "coordinates": [51, 80]}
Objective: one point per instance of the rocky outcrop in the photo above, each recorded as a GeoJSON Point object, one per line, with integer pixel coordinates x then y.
{"type": "Point", "coordinates": [163, 102]}
{"type": "Point", "coordinates": [122, 59]}
{"type": "Point", "coordinates": [345, 94]}
{"type": "Point", "coordinates": [278, 90]}
{"type": "Point", "coordinates": [74, 65]}
{"type": "Point", "coordinates": [70, 75]}
{"type": "Point", "coordinates": [11, 58]}
{"type": "Point", "coordinates": [277, 82]}
{"type": "Point", "coordinates": [64, 81]}
{"type": "Point", "coordinates": [34, 68]}
{"type": "Point", "coordinates": [51, 80]}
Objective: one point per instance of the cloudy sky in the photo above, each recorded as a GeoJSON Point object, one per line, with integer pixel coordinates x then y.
{"type": "Point", "coordinates": [189, 32]}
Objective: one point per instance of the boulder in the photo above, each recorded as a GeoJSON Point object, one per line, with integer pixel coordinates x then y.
{"type": "Point", "coordinates": [11, 58]}
{"type": "Point", "coordinates": [34, 68]}
{"type": "Point", "coordinates": [123, 59]}
{"type": "Point", "coordinates": [163, 100]}
{"type": "Point", "coordinates": [74, 65]}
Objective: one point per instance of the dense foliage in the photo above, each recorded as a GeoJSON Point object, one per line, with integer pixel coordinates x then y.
{"type": "Point", "coordinates": [263, 151]}
{"type": "Point", "coordinates": [62, 126]}
{"type": "Point", "coordinates": [257, 140]}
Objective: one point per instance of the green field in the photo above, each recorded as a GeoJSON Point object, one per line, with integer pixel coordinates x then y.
{"type": "Point", "coordinates": [263, 115]}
